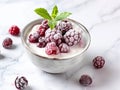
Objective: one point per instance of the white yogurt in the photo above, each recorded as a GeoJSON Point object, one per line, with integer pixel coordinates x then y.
{"type": "Point", "coordinates": [74, 50]}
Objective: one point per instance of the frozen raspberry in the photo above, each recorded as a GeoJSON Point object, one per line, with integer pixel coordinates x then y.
{"type": "Point", "coordinates": [85, 80]}
{"type": "Point", "coordinates": [14, 30]}
{"type": "Point", "coordinates": [64, 48]}
{"type": "Point", "coordinates": [33, 38]}
{"type": "Point", "coordinates": [98, 62]}
{"type": "Point", "coordinates": [21, 83]}
{"type": "Point", "coordinates": [45, 24]}
{"type": "Point", "coordinates": [43, 27]}
{"type": "Point", "coordinates": [64, 26]}
{"type": "Point", "coordinates": [41, 42]}
{"type": "Point", "coordinates": [53, 36]}
{"type": "Point", "coordinates": [72, 37]}
{"type": "Point", "coordinates": [51, 48]}
{"type": "Point", "coordinates": [7, 43]}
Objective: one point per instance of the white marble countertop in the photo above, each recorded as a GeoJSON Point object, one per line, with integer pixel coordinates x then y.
{"type": "Point", "coordinates": [102, 19]}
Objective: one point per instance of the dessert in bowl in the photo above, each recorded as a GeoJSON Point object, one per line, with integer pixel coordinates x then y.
{"type": "Point", "coordinates": [57, 49]}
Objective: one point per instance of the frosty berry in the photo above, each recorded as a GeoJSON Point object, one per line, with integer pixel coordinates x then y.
{"type": "Point", "coordinates": [21, 83]}
{"type": "Point", "coordinates": [14, 30]}
{"type": "Point", "coordinates": [51, 48]}
{"type": "Point", "coordinates": [53, 36]}
{"type": "Point", "coordinates": [41, 42]}
{"type": "Point", "coordinates": [64, 48]}
{"type": "Point", "coordinates": [85, 80]}
{"type": "Point", "coordinates": [98, 62]}
{"type": "Point", "coordinates": [43, 27]}
{"type": "Point", "coordinates": [7, 42]}
{"type": "Point", "coordinates": [72, 37]}
{"type": "Point", "coordinates": [64, 26]}
{"type": "Point", "coordinates": [33, 38]}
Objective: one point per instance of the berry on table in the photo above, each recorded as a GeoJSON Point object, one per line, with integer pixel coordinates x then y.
{"type": "Point", "coordinates": [53, 36]}
{"type": "Point", "coordinates": [7, 42]}
{"type": "Point", "coordinates": [72, 37]}
{"type": "Point", "coordinates": [64, 26]}
{"type": "Point", "coordinates": [21, 83]}
{"type": "Point", "coordinates": [85, 80]}
{"type": "Point", "coordinates": [64, 48]}
{"type": "Point", "coordinates": [98, 62]}
{"type": "Point", "coordinates": [51, 48]}
{"type": "Point", "coordinates": [33, 38]}
{"type": "Point", "coordinates": [14, 30]}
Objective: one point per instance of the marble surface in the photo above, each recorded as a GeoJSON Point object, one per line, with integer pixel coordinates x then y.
{"type": "Point", "coordinates": [101, 18]}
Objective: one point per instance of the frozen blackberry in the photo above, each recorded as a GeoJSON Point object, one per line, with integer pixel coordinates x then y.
{"type": "Point", "coordinates": [85, 80]}
{"type": "Point", "coordinates": [53, 36]}
{"type": "Point", "coordinates": [72, 37]}
{"type": "Point", "coordinates": [33, 38]}
{"type": "Point", "coordinates": [98, 62]}
{"type": "Point", "coordinates": [51, 48]}
{"type": "Point", "coordinates": [41, 42]}
{"type": "Point", "coordinates": [7, 43]}
{"type": "Point", "coordinates": [21, 83]}
{"type": "Point", "coordinates": [64, 26]}
{"type": "Point", "coordinates": [64, 48]}
{"type": "Point", "coordinates": [43, 27]}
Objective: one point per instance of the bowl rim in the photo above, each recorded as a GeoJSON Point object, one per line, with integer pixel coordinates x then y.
{"type": "Point", "coordinates": [28, 48]}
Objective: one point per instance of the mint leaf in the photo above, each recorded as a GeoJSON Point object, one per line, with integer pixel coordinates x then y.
{"type": "Point", "coordinates": [43, 13]}
{"type": "Point", "coordinates": [54, 11]}
{"type": "Point", "coordinates": [52, 23]}
{"type": "Point", "coordinates": [62, 16]}
{"type": "Point", "coordinates": [54, 18]}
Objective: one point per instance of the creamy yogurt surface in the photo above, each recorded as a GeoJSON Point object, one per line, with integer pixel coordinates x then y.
{"type": "Point", "coordinates": [74, 50]}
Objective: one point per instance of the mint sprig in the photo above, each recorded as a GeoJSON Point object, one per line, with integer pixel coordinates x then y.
{"type": "Point", "coordinates": [43, 13]}
{"type": "Point", "coordinates": [54, 11]}
{"type": "Point", "coordinates": [54, 17]}
{"type": "Point", "coordinates": [62, 16]}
